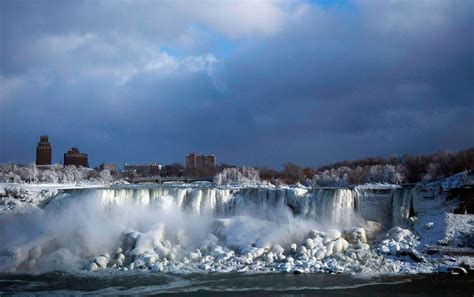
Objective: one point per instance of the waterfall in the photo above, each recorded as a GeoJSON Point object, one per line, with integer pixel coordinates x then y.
{"type": "Point", "coordinates": [328, 207]}
{"type": "Point", "coordinates": [77, 224]}
{"type": "Point", "coordinates": [401, 206]}
{"type": "Point", "coordinates": [374, 205]}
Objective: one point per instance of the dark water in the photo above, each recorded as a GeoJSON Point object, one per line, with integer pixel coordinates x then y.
{"type": "Point", "coordinates": [236, 284]}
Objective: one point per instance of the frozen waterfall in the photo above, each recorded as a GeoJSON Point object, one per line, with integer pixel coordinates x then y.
{"type": "Point", "coordinates": [193, 222]}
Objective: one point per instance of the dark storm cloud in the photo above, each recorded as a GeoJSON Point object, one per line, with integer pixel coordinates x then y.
{"type": "Point", "coordinates": [302, 83]}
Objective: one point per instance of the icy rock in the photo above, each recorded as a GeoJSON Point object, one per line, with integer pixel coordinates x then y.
{"type": "Point", "coordinates": [329, 248]}
{"type": "Point", "coordinates": [315, 233]}
{"type": "Point", "coordinates": [194, 256]}
{"type": "Point", "coordinates": [340, 245]}
{"type": "Point", "coordinates": [285, 267]}
{"type": "Point", "coordinates": [162, 251]}
{"type": "Point", "coordinates": [139, 263]}
{"type": "Point", "coordinates": [308, 243]}
{"type": "Point", "coordinates": [355, 235]}
{"type": "Point", "coordinates": [92, 266]}
{"type": "Point", "coordinates": [333, 234]}
{"type": "Point", "coordinates": [302, 251]}
{"type": "Point", "coordinates": [151, 259]}
{"type": "Point", "coordinates": [398, 234]}
{"type": "Point", "coordinates": [361, 246]}
{"type": "Point", "coordinates": [298, 270]}
{"type": "Point", "coordinates": [101, 261]}
{"type": "Point", "coordinates": [120, 259]}
{"type": "Point", "coordinates": [372, 229]}
{"type": "Point", "coordinates": [259, 252]}
{"type": "Point", "coordinates": [157, 267]}
{"type": "Point", "coordinates": [130, 239]}
{"type": "Point", "coordinates": [320, 254]}
{"type": "Point", "coordinates": [269, 258]}
{"type": "Point", "coordinates": [2, 192]}
{"type": "Point", "coordinates": [119, 250]}
{"type": "Point", "coordinates": [293, 248]}
{"type": "Point", "coordinates": [278, 250]}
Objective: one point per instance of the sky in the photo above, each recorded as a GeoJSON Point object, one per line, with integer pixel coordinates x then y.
{"type": "Point", "coordinates": [254, 82]}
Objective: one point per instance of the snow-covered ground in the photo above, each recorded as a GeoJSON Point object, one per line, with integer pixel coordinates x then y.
{"type": "Point", "coordinates": [18, 198]}
{"type": "Point", "coordinates": [204, 227]}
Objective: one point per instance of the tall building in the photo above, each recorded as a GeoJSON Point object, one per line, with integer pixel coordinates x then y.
{"type": "Point", "coordinates": [43, 151]}
{"type": "Point", "coordinates": [200, 165]}
{"type": "Point", "coordinates": [74, 157]}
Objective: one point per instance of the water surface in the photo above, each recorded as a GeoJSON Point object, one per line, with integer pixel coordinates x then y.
{"type": "Point", "coordinates": [236, 284]}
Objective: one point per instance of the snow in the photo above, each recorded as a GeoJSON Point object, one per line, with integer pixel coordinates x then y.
{"type": "Point", "coordinates": [20, 197]}
{"type": "Point", "coordinates": [461, 179]}
{"type": "Point", "coordinates": [377, 186]}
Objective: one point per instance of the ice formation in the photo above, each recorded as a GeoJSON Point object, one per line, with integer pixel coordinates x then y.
{"type": "Point", "coordinates": [207, 228]}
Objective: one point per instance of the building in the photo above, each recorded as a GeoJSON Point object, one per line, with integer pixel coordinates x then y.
{"type": "Point", "coordinates": [108, 166]}
{"type": "Point", "coordinates": [143, 169]}
{"type": "Point", "coordinates": [200, 165]}
{"type": "Point", "coordinates": [74, 157]}
{"type": "Point", "coordinates": [43, 151]}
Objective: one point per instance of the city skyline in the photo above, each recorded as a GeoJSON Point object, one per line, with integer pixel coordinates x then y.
{"type": "Point", "coordinates": [255, 83]}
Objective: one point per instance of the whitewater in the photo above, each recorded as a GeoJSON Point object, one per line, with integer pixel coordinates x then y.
{"type": "Point", "coordinates": [185, 228]}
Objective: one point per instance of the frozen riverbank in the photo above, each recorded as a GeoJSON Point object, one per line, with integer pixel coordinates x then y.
{"type": "Point", "coordinates": [203, 228]}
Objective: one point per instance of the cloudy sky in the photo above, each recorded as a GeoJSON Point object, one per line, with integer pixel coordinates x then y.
{"type": "Point", "coordinates": [254, 82]}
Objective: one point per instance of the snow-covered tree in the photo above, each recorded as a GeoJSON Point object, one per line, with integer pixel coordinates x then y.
{"type": "Point", "coordinates": [248, 176]}
{"type": "Point", "coordinates": [384, 174]}
{"type": "Point", "coordinates": [105, 177]}
{"type": "Point", "coordinates": [331, 178]}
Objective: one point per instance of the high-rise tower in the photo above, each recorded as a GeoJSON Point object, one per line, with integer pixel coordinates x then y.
{"type": "Point", "coordinates": [43, 151]}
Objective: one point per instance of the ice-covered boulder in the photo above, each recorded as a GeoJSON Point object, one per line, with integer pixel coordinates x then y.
{"type": "Point", "coordinates": [320, 254]}
{"type": "Point", "coordinates": [315, 233]}
{"type": "Point", "coordinates": [101, 261]}
{"type": "Point", "coordinates": [293, 248]}
{"type": "Point", "coordinates": [269, 258]}
{"type": "Point", "coordinates": [92, 266]}
{"type": "Point", "coordinates": [119, 261]}
{"type": "Point", "coordinates": [332, 235]}
{"type": "Point", "coordinates": [398, 234]}
{"type": "Point", "coordinates": [302, 251]}
{"type": "Point", "coordinates": [285, 267]}
{"type": "Point", "coordinates": [278, 250]}
{"type": "Point", "coordinates": [354, 235]}
{"type": "Point", "coordinates": [308, 243]}
{"type": "Point", "coordinates": [372, 229]}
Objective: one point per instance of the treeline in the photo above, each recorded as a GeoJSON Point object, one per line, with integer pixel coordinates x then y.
{"type": "Point", "coordinates": [395, 170]}
{"type": "Point", "coordinates": [12, 173]}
